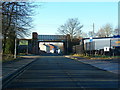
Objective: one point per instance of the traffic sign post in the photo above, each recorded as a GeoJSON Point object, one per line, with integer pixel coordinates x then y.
{"type": "Point", "coordinates": [91, 39]}
{"type": "Point", "coordinates": [24, 42]}
{"type": "Point", "coordinates": [106, 49]}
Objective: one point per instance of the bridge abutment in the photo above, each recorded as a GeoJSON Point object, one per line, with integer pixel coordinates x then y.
{"type": "Point", "coordinates": [35, 46]}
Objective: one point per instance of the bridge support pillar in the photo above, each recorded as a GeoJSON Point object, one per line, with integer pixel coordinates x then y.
{"type": "Point", "coordinates": [67, 44]}
{"type": "Point", "coordinates": [35, 46]}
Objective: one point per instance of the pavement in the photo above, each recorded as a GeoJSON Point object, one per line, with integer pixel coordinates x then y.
{"type": "Point", "coordinates": [111, 65]}
{"type": "Point", "coordinates": [12, 67]}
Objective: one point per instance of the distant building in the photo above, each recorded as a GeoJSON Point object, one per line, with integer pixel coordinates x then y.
{"type": "Point", "coordinates": [44, 47]}
{"type": "Point", "coordinates": [59, 51]}
{"type": "Point", "coordinates": [96, 43]}
{"type": "Point", "coordinates": [99, 45]}
{"type": "Point", "coordinates": [51, 48]}
{"type": "Point", "coordinates": [55, 49]}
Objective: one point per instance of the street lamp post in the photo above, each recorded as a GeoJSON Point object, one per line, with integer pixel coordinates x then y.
{"type": "Point", "coordinates": [15, 35]}
{"type": "Point", "coordinates": [15, 48]}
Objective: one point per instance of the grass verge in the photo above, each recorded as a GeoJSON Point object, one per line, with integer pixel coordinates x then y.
{"type": "Point", "coordinates": [97, 56]}
{"type": "Point", "coordinates": [7, 58]}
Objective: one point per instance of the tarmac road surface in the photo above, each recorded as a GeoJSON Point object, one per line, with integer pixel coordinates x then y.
{"type": "Point", "coordinates": [62, 72]}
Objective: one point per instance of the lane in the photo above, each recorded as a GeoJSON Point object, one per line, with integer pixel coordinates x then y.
{"type": "Point", "coordinates": [61, 72]}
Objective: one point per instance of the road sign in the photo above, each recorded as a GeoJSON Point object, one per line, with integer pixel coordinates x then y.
{"type": "Point", "coordinates": [106, 48]}
{"type": "Point", "coordinates": [23, 42]}
{"type": "Point", "coordinates": [91, 39]}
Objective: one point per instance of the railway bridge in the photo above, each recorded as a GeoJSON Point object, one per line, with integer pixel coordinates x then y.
{"type": "Point", "coordinates": [33, 44]}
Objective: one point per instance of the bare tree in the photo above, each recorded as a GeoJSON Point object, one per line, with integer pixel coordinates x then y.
{"type": "Point", "coordinates": [16, 21]}
{"type": "Point", "coordinates": [84, 35]}
{"type": "Point", "coordinates": [101, 33]}
{"type": "Point", "coordinates": [71, 27]}
{"type": "Point", "coordinates": [105, 31]}
{"type": "Point", "coordinates": [16, 16]}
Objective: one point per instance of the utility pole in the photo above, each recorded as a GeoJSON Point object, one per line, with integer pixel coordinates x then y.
{"type": "Point", "coordinates": [67, 42]}
{"type": "Point", "coordinates": [92, 38]}
{"type": "Point", "coordinates": [118, 18]}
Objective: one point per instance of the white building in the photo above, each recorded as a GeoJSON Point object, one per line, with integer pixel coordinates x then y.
{"type": "Point", "coordinates": [44, 47]}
